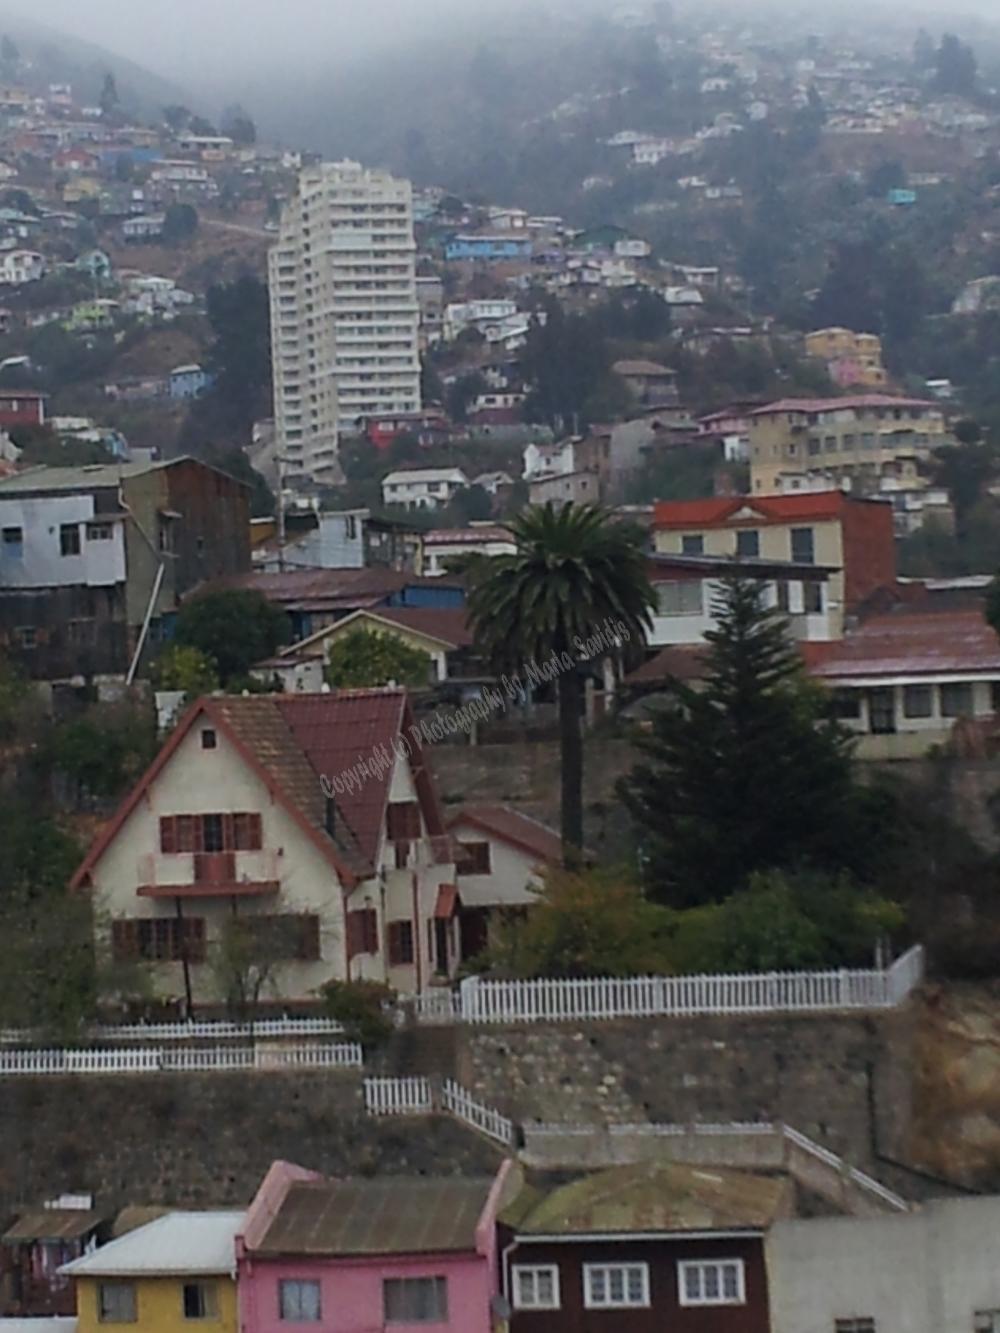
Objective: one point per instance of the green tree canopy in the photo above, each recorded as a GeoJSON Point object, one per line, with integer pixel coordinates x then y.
{"type": "Point", "coordinates": [180, 222]}
{"type": "Point", "coordinates": [235, 629]}
{"type": "Point", "coordinates": [578, 578]}
{"type": "Point", "coordinates": [591, 923]}
{"type": "Point", "coordinates": [366, 659]}
{"type": "Point", "coordinates": [748, 772]}
{"type": "Point", "coordinates": [183, 667]}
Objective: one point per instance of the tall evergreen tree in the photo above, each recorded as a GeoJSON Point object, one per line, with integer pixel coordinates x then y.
{"type": "Point", "coordinates": [747, 772]}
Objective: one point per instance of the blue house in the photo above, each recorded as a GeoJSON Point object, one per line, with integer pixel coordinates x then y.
{"type": "Point", "coordinates": [902, 196]}
{"type": "Point", "coordinates": [189, 381]}
{"type": "Point", "coordinates": [488, 247]}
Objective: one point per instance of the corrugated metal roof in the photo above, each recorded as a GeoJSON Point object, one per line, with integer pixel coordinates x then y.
{"type": "Point", "coordinates": [831, 404]}
{"type": "Point", "coordinates": [53, 1224]}
{"type": "Point", "coordinates": [929, 643]}
{"type": "Point", "coordinates": [391, 1216]}
{"type": "Point", "coordinates": [179, 1243]}
{"type": "Point", "coordinates": [657, 1196]}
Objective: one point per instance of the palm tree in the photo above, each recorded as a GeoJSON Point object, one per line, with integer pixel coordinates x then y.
{"type": "Point", "coordinates": [577, 575]}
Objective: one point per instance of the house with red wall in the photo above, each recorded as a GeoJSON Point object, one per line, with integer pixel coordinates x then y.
{"type": "Point", "coordinates": [21, 407]}
{"type": "Point", "coordinates": [358, 1254]}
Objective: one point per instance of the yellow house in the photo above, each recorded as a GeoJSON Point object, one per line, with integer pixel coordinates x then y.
{"type": "Point", "coordinates": [165, 1277]}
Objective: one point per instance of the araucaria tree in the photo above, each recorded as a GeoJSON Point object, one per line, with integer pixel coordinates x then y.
{"type": "Point", "coordinates": [748, 771]}
{"type": "Point", "coordinates": [576, 585]}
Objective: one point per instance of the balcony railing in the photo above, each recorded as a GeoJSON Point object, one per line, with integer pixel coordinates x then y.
{"type": "Point", "coordinates": [208, 874]}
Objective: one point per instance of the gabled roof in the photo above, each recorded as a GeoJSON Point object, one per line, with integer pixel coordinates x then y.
{"type": "Point", "coordinates": [392, 1215]}
{"type": "Point", "coordinates": [181, 1243]}
{"type": "Point", "coordinates": [511, 826]}
{"type": "Point", "coordinates": [446, 626]}
{"type": "Point", "coordinates": [650, 368]}
{"type": "Point", "coordinates": [291, 742]}
{"type": "Point", "coordinates": [761, 509]}
{"type": "Point", "coordinates": [658, 1196]}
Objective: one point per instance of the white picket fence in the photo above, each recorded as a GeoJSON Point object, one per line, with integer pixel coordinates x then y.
{"type": "Point", "coordinates": [484, 1118]}
{"type": "Point", "coordinates": [398, 1096]}
{"type": "Point", "coordinates": [148, 1060]}
{"type": "Point", "coordinates": [649, 997]}
{"type": "Point", "coordinates": [197, 1030]}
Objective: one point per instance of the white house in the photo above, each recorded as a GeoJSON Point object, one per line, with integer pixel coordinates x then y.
{"type": "Point", "coordinates": [444, 544]}
{"type": "Point", "coordinates": [501, 857]}
{"type": "Point", "coordinates": [17, 266]}
{"type": "Point", "coordinates": [423, 488]}
{"type": "Point", "coordinates": [303, 815]}
{"type": "Point", "coordinates": [925, 1271]}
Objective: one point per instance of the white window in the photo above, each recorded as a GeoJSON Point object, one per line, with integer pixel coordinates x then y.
{"type": "Point", "coordinates": [615, 1286]}
{"type": "Point", "coordinates": [680, 598]}
{"type": "Point", "coordinates": [298, 1301]}
{"type": "Point", "coordinates": [116, 1303]}
{"type": "Point", "coordinates": [717, 1282]}
{"type": "Point", "coordinates": [536, 1287]}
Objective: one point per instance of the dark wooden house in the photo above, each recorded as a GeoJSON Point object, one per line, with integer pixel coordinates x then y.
{"type": "Point", "coordinates": [643, 1249]}
{"type": "Point", "coordinates": [35, 1247]}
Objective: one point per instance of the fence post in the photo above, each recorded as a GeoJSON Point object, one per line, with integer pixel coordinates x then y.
{"type": "Point", "coordinates": [468, 995]}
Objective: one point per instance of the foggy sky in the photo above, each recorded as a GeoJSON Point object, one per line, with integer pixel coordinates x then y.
{"type": "Point", "coordinates": [223, 46]}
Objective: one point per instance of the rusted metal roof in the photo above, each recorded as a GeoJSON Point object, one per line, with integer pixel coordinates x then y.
{"type": "Point", "coordinates": [391, 1216]}
{"type": "Point", "coordinates": [658, 1196]}
{"type": "Point", "coordinates": [927, 644]}
{"type": "Point", "coordinates": [52, 1224]}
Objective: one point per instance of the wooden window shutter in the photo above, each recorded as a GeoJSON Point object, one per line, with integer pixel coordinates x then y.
{"type": "Point", "coordinates": [394, 932]}
{"type": "Point", "coordinates": [194, 938]}
{"type": "Point", "coordinates": [168, 834]}
{"type": "Point", "coordinates": [355, 934]}
{"type": "Point", "coordinates": [256, 833]}
{"type": "Point", "coordinates": [228, 835]}
{"type": "Point", "coordinates": [370, 924]}
{"type": "Point", "coordinates": [124, 939]}
{"type": "Point", "coordinates": [185, 833]}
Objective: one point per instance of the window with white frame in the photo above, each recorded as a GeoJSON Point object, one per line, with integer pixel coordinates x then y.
{"type": "Point", "coordinates": [680, 598]}
{"type": "Point", "coordinates": [299, 1301]}
{"type": "Point", "coordinates": [711, 1282]}
{"type": "Point", "coordinates": [615, 1286]}
{"type": "Point", "coordinates": [536, 1287]}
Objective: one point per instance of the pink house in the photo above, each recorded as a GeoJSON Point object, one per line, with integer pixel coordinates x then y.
{"type": "Point", "coordinates": [357, 1256]}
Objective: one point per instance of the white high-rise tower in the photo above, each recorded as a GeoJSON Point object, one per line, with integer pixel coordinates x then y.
{"type": "Point", "coordinates": [344, 317]}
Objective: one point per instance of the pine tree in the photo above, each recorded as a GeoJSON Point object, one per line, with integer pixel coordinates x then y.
{"type": "Point", "coordinates": [749, 771]}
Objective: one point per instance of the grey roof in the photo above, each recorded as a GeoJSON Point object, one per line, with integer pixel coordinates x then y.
{"type": "Point", "coordinates": [179, 1243]}
{"type": "Point", "coordinates": [56, 1323]}
{"type": "Point", "coordinates": [391, 1216]}
{"type": "Point", "coordinates": [42, 479]}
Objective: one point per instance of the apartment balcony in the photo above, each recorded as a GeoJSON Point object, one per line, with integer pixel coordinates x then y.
{"type": "Point", "coordinates": [209, 875]}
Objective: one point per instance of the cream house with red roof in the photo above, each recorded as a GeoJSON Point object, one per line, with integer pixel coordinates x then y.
{"type": "Point", "coordinates": [308, 817]}
{"type": "Point", "coordinates": [501, 855]}
{"type": "Point", "coordinates": [852, 539]}
{"type": "Point", "coordinates": [903, 680]}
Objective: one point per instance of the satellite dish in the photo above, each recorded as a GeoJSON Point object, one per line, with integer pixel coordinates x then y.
{"type": "Point", "coordinates": [500, 1306]}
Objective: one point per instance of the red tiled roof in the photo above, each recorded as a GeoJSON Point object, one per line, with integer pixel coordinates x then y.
{"type": "Point", "coordinates": [770, 508]}
{"type": "Point", "coordinates": [292, 742]}
{"type": "Point", "coordinates": [945, 643]}
{"type": "Point", "coordinates": [511, 826]}
{"type": "Point", "coordinates": [336, 731]}
{"type": "Point", "coordinates": [830, 404]}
